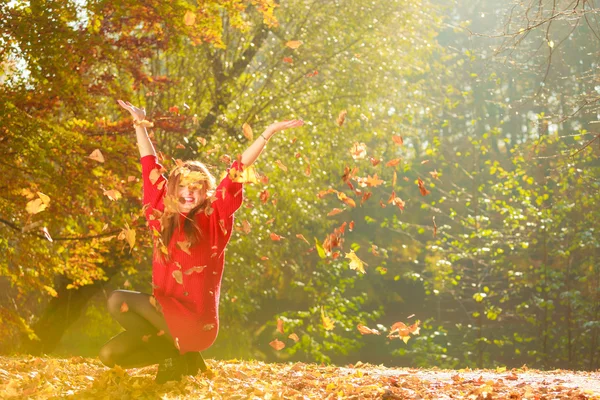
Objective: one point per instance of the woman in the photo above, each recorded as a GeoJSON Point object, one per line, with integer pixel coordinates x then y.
{"type": "Point", "coordinates": [191, 222]}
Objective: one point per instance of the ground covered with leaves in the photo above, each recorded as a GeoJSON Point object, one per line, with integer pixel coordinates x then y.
{"type": "Point", "coordinates": [37, 377]}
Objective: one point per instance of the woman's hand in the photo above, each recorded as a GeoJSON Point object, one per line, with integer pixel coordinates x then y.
{"type": "Point", "coordinates": [138, 114]}
{"type": "Point", "coordinates": [280, 126]}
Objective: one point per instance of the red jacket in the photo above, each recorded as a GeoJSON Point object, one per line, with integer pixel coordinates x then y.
{"type": "Point", "coordinates": [191, 308]}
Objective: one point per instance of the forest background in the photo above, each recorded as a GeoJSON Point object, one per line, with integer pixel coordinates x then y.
{"type": "Point", "coordinates": [450, 145]}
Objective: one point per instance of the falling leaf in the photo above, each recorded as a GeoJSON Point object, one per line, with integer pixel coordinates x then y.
{"type": "Point", "coordinates": [189, 18]}
{"type": "Point", "coordinates": [208, 327]}
{"type": "Point", "coordinates": [277, 344]}
{"type": "Point", "coordinates": [246, 227]}
{"type": "Point", "coordinates": [288, 60]}
{"type": "Point", "coordinates": [434, 227]}
{"type": "Point", "coordinates": [174, 110]}
{"type": "Point", "coordinates": [394, 178]}
{"type": "Point", "coordinates": [293, 44]}
{"type": "Point", "coordinates": [424, 192]}
{"type": "Point", "coordinates": [424, 162]}
{"type": "Point", "coordinates": [146, 338]}
{"type": "Point", "coordinates": [178, 276]}
{"type": "Point", "coordinates": [373, 181]}
{"type": "Point", "coordinates": [225, 159]}
{"type": "Point", "coordinates": [281, 165]}
{"type": "Point", "coordinates": [355, 262]}
{"type": "Point", "coordinates": [393, 163]}
{"type": "Point", "coordinates": [124, 307]}
{"type": "Point", "coordinates": [335, 211]}
{"type": "Point", "coordinates": [434, 174]}
{"type": "Point", "coordinates": [131, 178]}
{"type": "Point", "coordinates": [328, 324]}
{"type": "Point", "coordinates": [275, 237]}
{"type": "Point", "coordinates": [97, 156]}
{"type": "Point", "coordinates": [398, 140]}
{"type": "Point", "coordinates": [112, 194]}
{"type": "Point", "coordinates": [341, 117]}
{"type": "Point", "coordinates": [279, 326]}
{"type": "Point", "coordinates": [264, 258]}
{"type": "Point", "coordinates": [269, 222]}
{"type": "Point", "coordinates": [294, 337]}
{"type": "Point", "coordinates": [195, 269]}
{"type": "Point", "coordinates": [375, 161]}
{"type": "Point", "coordinates": [301, 237]}
{"type": "Point", "coordinates": [35, 206]}
{"type": "Point", "coordinates": [343, 197]}
{"type": "Point", "coordinates": [358, 151]}
{"type": "Point", "coordinates": [247, 130]}
{"type": "Point", "coordinates": [351, 226]}
{"type": "Point", "coordinates": [311, 74]}
{"type": "Point", "coordinates": [129, 236]}
{"type": "Point", "coordinates": [366, 330]}
{"type": "Point", "coordinates": [185, 246]}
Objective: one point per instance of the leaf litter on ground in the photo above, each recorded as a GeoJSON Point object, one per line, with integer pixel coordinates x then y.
{"type": "Point", "coordinates": [86, 378]}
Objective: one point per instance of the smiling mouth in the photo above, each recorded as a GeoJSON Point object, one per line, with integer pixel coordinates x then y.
{"type": "Point", "coordinates": [187, 200]}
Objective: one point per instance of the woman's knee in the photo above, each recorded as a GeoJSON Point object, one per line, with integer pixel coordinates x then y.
{"type": "Point", "coordinates": [106, 356]}
{"type": "Point", "coordinates": [116, 301]}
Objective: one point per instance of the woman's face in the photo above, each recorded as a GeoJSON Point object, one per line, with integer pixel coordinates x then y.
{"type": "Point", "coordinates": [190, 196]}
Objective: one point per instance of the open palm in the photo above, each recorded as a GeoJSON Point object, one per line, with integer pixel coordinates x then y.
{"type": "Point", "coordinates": [138, 114]}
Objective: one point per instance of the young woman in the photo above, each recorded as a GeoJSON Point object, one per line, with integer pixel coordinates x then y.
{"type": "Point", "coordinates": [191, 219]}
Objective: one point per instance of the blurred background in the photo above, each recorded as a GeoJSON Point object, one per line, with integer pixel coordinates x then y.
{"type": "Point", "coordinates": [456, 139]}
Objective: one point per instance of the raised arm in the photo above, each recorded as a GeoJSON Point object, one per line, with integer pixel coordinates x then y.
{"type": "Point", "coordinates": [143, 141]}
{"type": "Point", "coordinates": [252, 152]}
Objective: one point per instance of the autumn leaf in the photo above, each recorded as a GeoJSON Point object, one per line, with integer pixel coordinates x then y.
{"type": "Point", "coordinates": [293, 44]}
{"type": "Point", "coordinates": [37, 205]}
{"type": "Point", "coordinates": [366, 196]}
{"type": "Point", "coordinates": [328, 324]}
{"type": "Point", "coordinates": [351, 226]}
{"type": "Point", "coordinates": [424, 192]}
{"type": "Point", "coordinates": [174, 109]}
{"type": "Point", "coordinates": [277, 344]}
{"type": "Point", "coordinates": [301, 237]}
{"type": "Point", "coordinates": [124, 307]}
{"type": "Point", "coordinates": [355, 262]}
{"type": "Point", "coordinates": [335, 211]}
{"type": "Point", "coordinates": [154, 175]}
{"type": "Point", "coordinates": [434, 227]}
{"type": "Point", "coordinates": [424, 162]}
{"type": "Point", "coordinates": [279, 326]}
{"type": "Point", "coordinates": [393, 163]}
{"type": "Point", "coordinates": [185, 246]}
{"type": "Point", "coordinates": [178, 276]}
{"type": "Point", "coordinates": [366, 330]}
{"type": "Point", "coordinates": [341, 117]}
{"type": "Point", "coordinates": [281, 165]}
{"type": "Point", "coordinates": [189, 18]}
{"type": "Point", "coordinates": [375, 161]}
{"type": "Point", "coordinates": [246, 227]}
{"type": "Point", "coordinates": [288, 60]}
{"type": "Point", "coordinates": [113, 194]}
{"type": "Point", "coordinates": [248, 175]}
{"type": "Point", "coordinates": [195, 269]}
{"type": "Point", "coordinates": [373, 181]}
{"type": "Point", "coordinates": [294, 337]}
{"type": "Point", "coordinates": [358, 151]}
{"type": "Point", "coordinates": [97, 156]}
{"type": "Point", "coordinates": [275, 237]}
{"type": "Point", "coordinates": [434, 174]}
{"type": "Point", "coordinates": [247, 130]}
{"type": "Point", "coordinates": [343, 197]}
{"type": "Point", "coordinates": [398, 140]}
{"type": "Point", "coordinates": [128, 235]}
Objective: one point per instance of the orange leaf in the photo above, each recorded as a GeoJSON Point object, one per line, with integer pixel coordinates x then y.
{"type": "Point", "coordinates": [96, 156]}
{"type": "Point", "coordinates": [189, 18]}
{"type": "Point", "coordinates": [264, 196]}
{"type": "Point", "coordinates": [351, 226]}
{"type": "Point", "coordinates": [281, 165]}
{"type": "Point", "coordinates": [247, 129]}
{"type": "Point", "coordinates": [288, 60]}
{"type": "Point", "coordinates": [358, 151]}
{"type": "Point", "coordinates": [335, 211]}
{"type": "Point", "coordinates": [246, 227]}
{"type": "Point", "coordinates": [398, 140]}
{"type": "Point", "coordinates": [434, 174]}
{"type": "Point", "coordinates": [424, 192]}
{"type": "Point", "coordinates": [113, 194]}
{"type": "Point", "coordinates": [280, 326]}
{"type": "Point", "coordinates": [341, 118]}
{"type": "Point", "coordinates": [293, 44]}
{"type": "Point", "coordinates": [277, 344]}
{"type": "Point", "coordinates": [373, 181]}
{"type": "Point", "coordinates": [343, 197]}
{"type": "Point", "coordinates": [174, 110]}
{"type": "Point", "coordinates": [179, 146]}
{"type": "Point", "coordinates": [124, 307]}
{"type": "Point", "coordinates": [294, 337]}
{"type": "Point", "coordinates": [178, 276]}
{"type": "Point", "coordinates": [301, 236]}
{"type": "Point", "coordinates": [275, 237]}
{"type": "Point", "coordinates": [393, 163]}
{"type": "Point", "coordinates": [366, 330]}
{"type": "Point", "coordinates": [375, 161]}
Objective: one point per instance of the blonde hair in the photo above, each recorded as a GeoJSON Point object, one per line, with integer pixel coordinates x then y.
{"type": "Point", "coordinates": [186, 173]}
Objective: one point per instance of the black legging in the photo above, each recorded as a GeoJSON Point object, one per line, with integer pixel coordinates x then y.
{"type": "Point", "coordinates": [146, 339]}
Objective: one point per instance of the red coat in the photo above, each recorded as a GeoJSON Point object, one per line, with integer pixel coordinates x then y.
{"type": "Point", "coordinates": [191, 309]}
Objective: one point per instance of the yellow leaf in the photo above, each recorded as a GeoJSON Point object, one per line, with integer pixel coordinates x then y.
{"type": "Point", "coordinates": [51, 291]}
{"type": "Point", "coordinates": [294, 337]}
{"type": "Point", "coordinates": [45, 199]}
{"type": "Point", "coordinates": [113, 194]}
{"type": "Point", "coordinates": [293, 44]}
{"type": "Point", "coordinates": [195, 269]}
{"type": "Point", "coordinates": [35, 206]}
{"type": "Point", "coordinates": [178, 276]}
{"type": "Point", "coordinates": [247, 129]}
{"type": "Point", "coordinates": [355, 262]}
{"type": "Point", "coordinates": [189, 18]}
{"type": "Point", "coordinates": [328, 324]}
{"type": "Point", "coordinates": [96, 156]}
